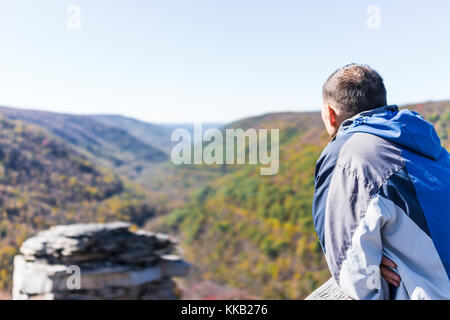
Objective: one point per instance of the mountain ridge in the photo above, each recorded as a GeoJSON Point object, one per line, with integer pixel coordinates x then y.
{"type": "Point", "coordinates": [108, 146]}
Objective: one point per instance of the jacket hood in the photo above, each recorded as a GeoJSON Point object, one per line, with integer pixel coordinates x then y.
{"type": "Point", "coordinates": [405, 128]}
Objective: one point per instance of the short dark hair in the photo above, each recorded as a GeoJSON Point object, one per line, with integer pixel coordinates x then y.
{"type": "Point", "coordinates": [355, 88]}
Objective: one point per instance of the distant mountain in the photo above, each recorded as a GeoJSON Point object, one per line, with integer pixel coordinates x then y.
{"type": "Point", "coordinates": [170, 182]}
{"type": "Point", "coordinates": [44, 181]}
{"type": "Point", "coordinates": [256, 232]}
{"type": "Point", "coordinates": [190, 126]}
{"type": "Point", "coordinates": [106, 145]}
{"type": "Point", "coordinates": [152, 134]}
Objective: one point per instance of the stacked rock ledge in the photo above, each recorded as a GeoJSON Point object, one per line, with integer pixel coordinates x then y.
{"type": "Point", "coordinates": [97, 261]}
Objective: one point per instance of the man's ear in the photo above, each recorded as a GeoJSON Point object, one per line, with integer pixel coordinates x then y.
{"type": "Point", "coordinates": [332, 116]}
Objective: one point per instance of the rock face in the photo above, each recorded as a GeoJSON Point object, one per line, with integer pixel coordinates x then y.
{"type": "Point", "coordinates": [330, 290]}
{"type": "Point", "coordinates": [97, 261]}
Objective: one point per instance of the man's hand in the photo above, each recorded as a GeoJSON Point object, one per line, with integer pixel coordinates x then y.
{"type": "Point", "coordinates": [387, 273]}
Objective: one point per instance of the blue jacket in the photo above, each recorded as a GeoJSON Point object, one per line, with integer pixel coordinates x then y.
{"type": "Point", "coordinates": [382, 187]}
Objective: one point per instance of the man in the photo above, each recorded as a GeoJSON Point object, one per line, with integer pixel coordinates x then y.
{"type": "Point", "coordinates": [382, 188]}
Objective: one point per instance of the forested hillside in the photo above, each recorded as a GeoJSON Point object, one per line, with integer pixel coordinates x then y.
{"type": "Point", "coordinates": [44, 181]}
{"type": "Point", "coordinates": [256, 232]}
{"type": "Point", "coordinates": [105, 145]}
{"type": "Point", "coordinates": [250, 232]}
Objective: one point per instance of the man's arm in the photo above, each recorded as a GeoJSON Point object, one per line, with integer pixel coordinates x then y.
{"type": "Point", "coordinates": [350, 220]}
{"type": "Point", "coordinates": [348, 214]}
{"type": "Point", "coordinates": [358, 269]}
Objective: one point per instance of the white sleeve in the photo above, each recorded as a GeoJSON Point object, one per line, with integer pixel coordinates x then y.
{"type": "Point", "coordinates": [360, 276]}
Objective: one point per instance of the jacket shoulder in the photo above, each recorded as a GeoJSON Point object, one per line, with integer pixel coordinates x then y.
{"type": "Point", "coordinates": [370, 158]}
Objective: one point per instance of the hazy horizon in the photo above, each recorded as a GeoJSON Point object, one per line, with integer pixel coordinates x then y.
{"type": "Point", "coordinates": [181, 123]}
{"type": "Point", "coordinates": [213, 62]}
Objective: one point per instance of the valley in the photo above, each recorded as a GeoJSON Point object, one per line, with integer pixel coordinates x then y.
{"type": "Point", "coordinates": [239, 229]}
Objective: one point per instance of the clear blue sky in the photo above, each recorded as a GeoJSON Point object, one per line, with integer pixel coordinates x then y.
{"type": "Point", "coordinates": [213, 60]}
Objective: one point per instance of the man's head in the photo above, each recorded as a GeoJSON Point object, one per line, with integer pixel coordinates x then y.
{"type": "Point", "coordinates": [348, 91]}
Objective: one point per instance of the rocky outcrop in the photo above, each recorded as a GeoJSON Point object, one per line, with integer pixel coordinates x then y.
{"type": "Point", "coordinates": [97, 261]}
{"type": "Point", "coordinates": [330, 290]}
